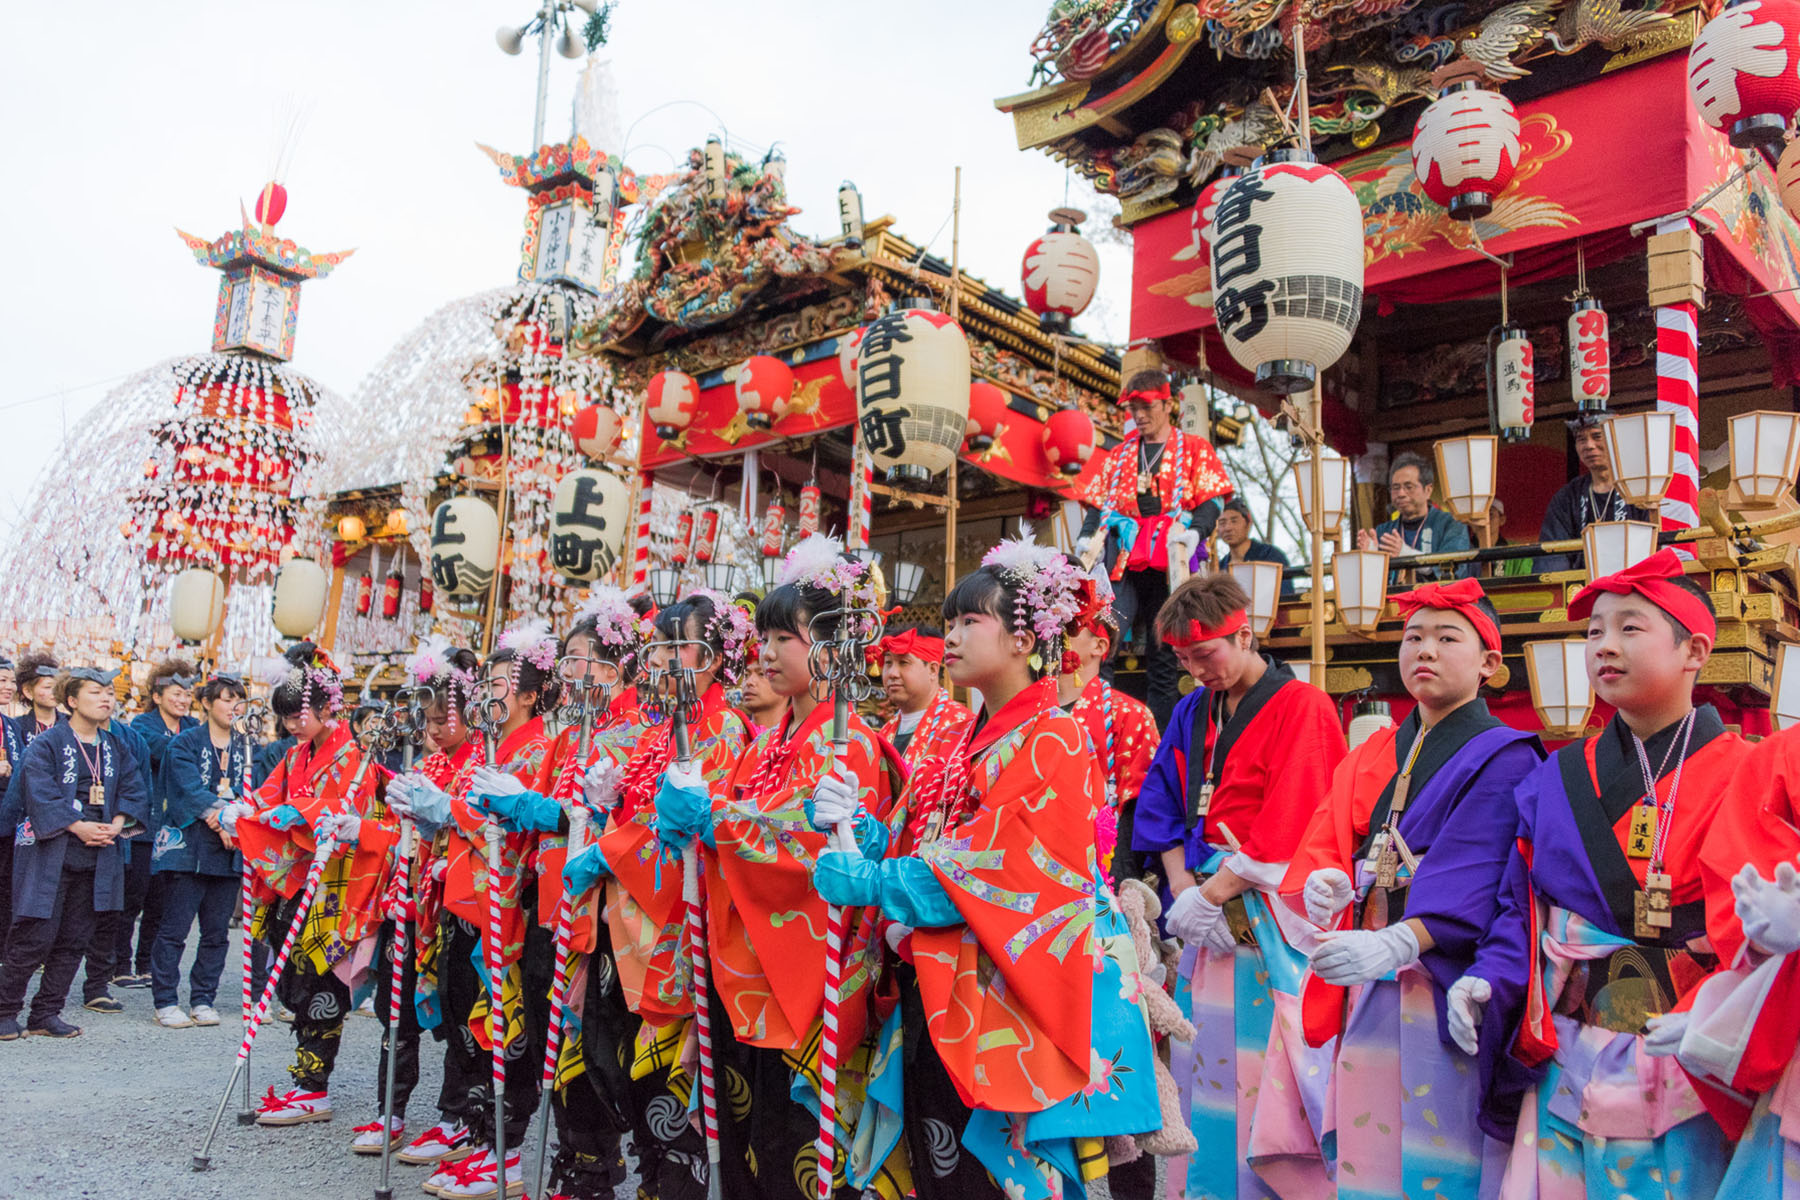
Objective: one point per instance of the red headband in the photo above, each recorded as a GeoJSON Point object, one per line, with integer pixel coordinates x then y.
{"type": "Point", "coordinates": [1459, 597]}
{"type": "Point", "coordinates": [1145, 396]}
{"type": "Point", "coordinates": [926, 649]}
{"type": "Point", "coordinates": [1196, 632]}
{"type": "Point", "coordinates": [1652, 579]}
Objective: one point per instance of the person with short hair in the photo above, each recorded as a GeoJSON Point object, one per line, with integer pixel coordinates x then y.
{"type": "Point", "coordinates": [37, 673]}
{"type": "Point", "coordinates": [756, 699]}
{"type": "Point", "coordinates": [927, 722]}
{"type": "Point", "coordinates": [1234, 529]}
{"type": "Point", "coordinates": [1418, 526]}
{"type": "Point", "coordinates": [1590, 497]}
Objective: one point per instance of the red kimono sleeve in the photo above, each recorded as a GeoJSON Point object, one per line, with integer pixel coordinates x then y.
{"type": "Point", "coordinates": [1304, 747]}
{"type": "Point", "coordinates": [1339, 825]}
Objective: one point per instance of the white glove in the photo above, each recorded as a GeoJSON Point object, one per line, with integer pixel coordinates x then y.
{"type": "Point", "coordinates": [1196, 920]}
{"type": "Point", "coordinates": [342, 828]}
{"type": "Point", "coordinates": [1663, 1034]}
{"type": "Point", "coordinates": [1090, 546]}
{"type": "Point", "coordinates": [896, 933]}
{"type": "Point", "coordinates": [229, 815]}
{"type": "Point", "coordinates": [1353, 956]}
{"type": "Point", "coordinates": [1183, 543]}
{"type": "Point", "coordinates": [833, 801]}
{"type": "Point", "coordinates": [600, 785]}
{"type": "Point", "coordinates": [691, 778]}
{"type": "Point", "coordinates": [1464, 1005]}
{"type": "Point", "coordinates": [1328, 892]}
{"type": "Point", "coordinates": [486, 781]}
{"type": "Point", "coordinates": [1769, 912]}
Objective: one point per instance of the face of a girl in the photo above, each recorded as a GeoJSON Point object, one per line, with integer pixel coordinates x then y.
{"type": "Point", "coordinates": [94, 702]}
{"type": "Point", "coordinates": [303, 726]}
{"type": "Point", "coordinates": [595, 670]}
{"type": "Point", "coordinates": [784, 662]}
{"type": "Point", "coordinates": [445, 731]}
{"type": "Point", "coordinates": [1442, 659]}
{"type": "Point", "coordinates": [175, 700]}
{"type": "Point", "coordinates": [518, 704]}
{"type": "Point", "coordinates": [978, 650]}
{"type": "Point", "coordinates": [42, 692]}
{"type": "Point", "coordinates": [224, 710]}
{"type": "Point", "coordinates": [9, 685]}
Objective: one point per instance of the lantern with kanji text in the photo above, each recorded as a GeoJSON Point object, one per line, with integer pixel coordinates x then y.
{"type": "Point", "coordinates": [465, 546]}
{"type": "Point", "coordinates": [765, 386]}
{"type": "Point", "coordinates": [1060, 271]}
{"type": "Point", "coordinates": [1465, 149]}
{"type": "Point", "coordinates": [987, 408]}
{"type": "Point", "coordinates": [596, 430]}
{"type": "Point", "coordinates": [589, 516]}
{"type": "Point", "coordinates": [671, 403]}
{"type": "Point", "coordinates": [912, 390]}
{"type": "Point", "coordinates": [1590, 356]}
{"type": "Point", "coordinates": [1742, 71]}
{"type": "Point", "coordinates": [1512, 385]}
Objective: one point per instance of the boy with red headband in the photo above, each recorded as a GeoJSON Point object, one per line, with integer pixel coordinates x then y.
{"type": "Point", "coordinates": [926, 723]}
{"type": "Point", "coordinates": [1378, 979]}
{"type": "Point", "coordinates": [1600, 924]}
{"type": "Point", "coordinates": [1242, 766]}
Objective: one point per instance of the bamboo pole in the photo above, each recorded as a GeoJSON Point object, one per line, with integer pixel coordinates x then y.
{"type": "Point", "coordinates": [955, 315]}
{"type": "Point", "coordinates": [1316, 435]}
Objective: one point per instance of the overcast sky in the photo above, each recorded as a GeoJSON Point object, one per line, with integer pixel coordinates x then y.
{"type": "Point", "coordinates": [129, 119]}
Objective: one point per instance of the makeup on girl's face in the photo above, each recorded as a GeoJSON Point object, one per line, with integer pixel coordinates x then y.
{"type": "Point", "coordinates": [977, 649]}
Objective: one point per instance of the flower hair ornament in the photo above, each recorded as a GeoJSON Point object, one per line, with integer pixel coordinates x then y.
{"type": "Point", "coordinates": [530, 642]}
{"type": "Point", "coordinates": [734, 628]}
{"type": "Point", "coordinates": [313, 669]}
{"type": "Point", "coordinates": [615, 623]}
{"type": "Point", "coordinates": [818, 561]}
{"type": "Point", "coordinates": [1047, 586]}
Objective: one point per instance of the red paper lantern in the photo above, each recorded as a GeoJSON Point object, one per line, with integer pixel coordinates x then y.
{"type": "Point", "coordinates": [1465, 149]}
{"type": "Point", "coordinates": [809, 509]}
{"type": "Point", "coordinates": [987, 408]}
{"type": "Point", "coordinates": [427, 597]}
{"type": "Point", "coordinates": [390, 594]}
{"type": "Point", "coordinates": [271, 203]}
{"type": "Point", "coordinates": [764, 387]}
{"type": "Point", "coordinates": [1742, 71]}
{"type": "Point", "coordinates": [771, 530]}
{"type": "Point", "coordinates": [1068, 440]}
{"type": "Point", "coordinates": [365, 593]}
{"type": "Point", "coordinates": [848, 346]}
{"type": "Point", "coordinates": [596, 430]}
{"type": "Point", "coordinates": [684, 537]}
{"type": "Point", "coordinates": [672, 401]}
{"type": "Point", "coordinates": [1060, 271]}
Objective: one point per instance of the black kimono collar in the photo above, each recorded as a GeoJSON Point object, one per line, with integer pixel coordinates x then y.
{"type": "Point", "coordinates": [1616, 761]}
{"type": "Point", "coordinates": [1276, 675]}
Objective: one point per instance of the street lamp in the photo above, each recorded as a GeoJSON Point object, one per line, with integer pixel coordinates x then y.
{"type": "Point", "coordinates": [908, 578]}
{"type": "Point", "coordinates": [554, 15]}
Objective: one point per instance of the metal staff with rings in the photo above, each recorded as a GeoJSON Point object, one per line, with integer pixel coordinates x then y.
{"type": "Point", "coordinates": [405, 727]}
{"type": "Point", "coordinates": [249, 725]}
{"type": "Point", "coordinates": [368, 739]}
{"type": "Point", "coordinates": [486, 714]}
{"type": "Point", "coordinates": [839, 668]}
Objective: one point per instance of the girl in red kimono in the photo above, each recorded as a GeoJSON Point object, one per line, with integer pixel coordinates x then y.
{"type": "Point", "coordinates": [1020, 1041]}
{"type": "Point", "coordinates": [1601, 924]}
{"type": "Point", "coordinates": [926, 723]}
{"type": "Point", "coordinates": [706, 635]}
{"type": "Point", "coordinates": [320, 790]}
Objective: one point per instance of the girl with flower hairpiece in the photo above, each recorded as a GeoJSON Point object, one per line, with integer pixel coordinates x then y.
{"type": "Point", "coordinates": [306, 799]}
{"type": "Point", "coordinates": [1019, 1032]}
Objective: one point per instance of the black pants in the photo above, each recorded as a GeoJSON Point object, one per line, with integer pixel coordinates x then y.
{"type": "Point", "coordinates": [144, 898]}
{"type": "Point", "coordinates": [187, 896]}
{"type": "Point", "coordinates": [406, 1066]}
{"type": "Point", "coordinates": [1137, 597]}
{"type": "Point", "coordinates": [55, 943]}
{"type": "Point", "coordinates": [592, 1111]}
{"type": "Point", "coordinates": [935, 1113]}
{"type": "Point", "coordinates": [460, 988]}
{"type": "Point", "coordinates": [6, 864]}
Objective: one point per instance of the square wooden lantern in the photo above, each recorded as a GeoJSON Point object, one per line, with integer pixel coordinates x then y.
{"type": "Point", "coordinates": [1261, 581]}
{"type": "Point", "coordinates": [1334, 473]}
{"type": "Point", "coordinates": [1467, 468]}
{"type": "Point", "coordinates": [1360, 580]}
{"type": "Point", "coordinates": [1765, 451]}
{"type": "Point", "coordinates": [1641, 446]}
{"type": "Point", "coordinates": [1561, 692]}
{"type": "Point", "coordinates": [1611, 546]}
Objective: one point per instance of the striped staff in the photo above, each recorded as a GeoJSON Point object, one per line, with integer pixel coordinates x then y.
{"type": "Point", "coordinates": [488, 715]}
{"type": "Point", "coordinates": [250, 725]}
{"type": "Point", "coordinates": [405, 724]}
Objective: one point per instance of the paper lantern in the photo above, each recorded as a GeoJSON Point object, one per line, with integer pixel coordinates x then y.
{"type": "Point", "coordinates": [196, 604]}
{"type": "Point", "coordinates": [1512, 385]}
{"type": "Point", "coordinates": [1061, 271]}
{"type": "Point", "coordinates": [1784, 698]}
{"type": "Point", "coordinates": [772, 533]}
{"type": "Point", "coordinates": [909, 577]}
{"type": "Point", "coordinates": [1335, 473]}
{"type": "Point", "coordinates": [365, 593]}
{"type": "Point", "coordinates": [912, 390]}
{"type": "Point", "coordinates": [764, 387]}
{"type": "Point", "coordinates": [298, 605]}
{"type": "Point", "coordinates": [987, 408]}
{"type": "Point", "coordinates": [1360, 578]}
{"type": "Point", "coordinates": [665, 585]}
{"type": "Point", "coordinates": [1466, 470]}
{"type": "Point", "coordinates": [465, 546]}
{"type": "Point", "coordinates": [1261, 581]}
{"type": "Point", "coordinates": [427, 597]}
{"type": "Point", "coordinates": [850, 214]}
{"type": "Point", "coordinates": [1787, 179]}
{"type": "Point", "coordinates": [1765, 451]}
{"type": "Point", "coordinates": [1742, 71]}
{"type": "Point", "coordinates": [590, 516]}
{"type": "Point", "coordinates": [596, 430]}
{"type": "Point", "coordinates": [1590, 356]}
{"type": "Point", "coordinates": [706, 534]}
{"type": "Point", "coordinates": [351, 529]}
{"type": "Point", "coordinates": [1611, 546]}
{"type": "Point", "coordinates": [1200, 222]}
{"type": "Point", "coordinates": [1068, 440]}
{"type": "Point", "coordinates": [1287, 269]}
{"type": "Point", "coordinates": [1372, 716]}
{"type": "Point", "coordinates": [391, 589]}
{"type": "Point", "coordinates": [671, 403]}
{"type": "Point", "coordinates": [1641, 447]}
{"type": "Point", "coordinates": [1561, 692]}
{"type": "Point", "coordinates": [271, 203]}
{"type": "Point", "coordinates": [848, 345]}
{"type": "Point", "coordinates": [1465, 149]}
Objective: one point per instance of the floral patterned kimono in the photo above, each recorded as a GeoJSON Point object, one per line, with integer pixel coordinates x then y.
{"type": "Point", "coordinates": [430, 865]}
{"type": "Point", "coordinates": [1124, 736]}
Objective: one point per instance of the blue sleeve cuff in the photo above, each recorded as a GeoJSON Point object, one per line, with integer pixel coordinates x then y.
{"type": "Point", "coordinates": [912, 895]}
{"type": "Point", "coordinates": [871, 835]}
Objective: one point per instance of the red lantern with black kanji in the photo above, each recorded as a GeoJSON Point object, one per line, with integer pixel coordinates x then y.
{"type": "Point", "coordinates": [1465, 149]}
{"type": "Point", "coordinates": [1068, 440]}
{"type": "Point", "coordinates": [764, 387]}
{"type": "Point", "coordinates": [596, 430]}
{"type": "Point", "coordinates": [1061, 271]}
{"type": "Point", "coordinates": [390, 594]}
{"type": "Point", "coordinates": [671, 404]}
{"type": "Point", "coordinates": [1742, 71]}
{"type": "Point", "coordinates": [987, 408]}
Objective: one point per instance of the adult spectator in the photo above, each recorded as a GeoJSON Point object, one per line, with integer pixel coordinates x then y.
{"type": "Point", "coordinates": [1234, 530]}
{"type": "Point", "coordinates": [1591, 496]}
{"type": "Point", "coordinates": [1418, 526]}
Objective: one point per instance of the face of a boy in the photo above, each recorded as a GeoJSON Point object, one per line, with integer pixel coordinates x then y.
{"type": "Point", "coordinates": [1633, 659]}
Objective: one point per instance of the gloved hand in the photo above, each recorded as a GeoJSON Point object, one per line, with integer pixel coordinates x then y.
{"type": "Point", "coordinates": [584, 869]}
{"type": "Point", "coordinates": [1090, 546]}
{"type": "Point", "coordinates": [600, 785]}
{"type": "Point", "coordinates": [499, 795]}
{"type": "Point", "coordinates": [1769, 912]}
{"type": "Point", "coordinates": [1464, 1005]}
{"type": "Point", "coordinates": [848, 879]}
{"type": "Point", "coordinates": [340, 827]}
{"type": "Point", "coordinates": [832, 801]}
{"type": "Point", "coordinates": [1352, 956]}
{"type": "Point", "coordinates": [1663, 1033]}
{"type": "Point", "coordinates": [683, 809]}
{"type": "Point", "coordinates": [284, 817]}
{"type": "Point", "coordinates": [420, 801]}
{"type": "Point", "coordinates": [895, 933]}
{"type": "Point", "coordinates": [1196, 920]}
{"type": "Point", "coordinates": [1327, 893]}
{"type": "Point", "coordinates": [490, 781]}
{"type": "Point", "coordinates": [232, 813]}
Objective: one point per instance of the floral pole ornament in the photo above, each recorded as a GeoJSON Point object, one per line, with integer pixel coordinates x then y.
{"type": "Point", "coordinates": [1744, 71]}
{"type": "Point", "coordinates": [1060, 272]}
{"type": "Point", "coordinates": [912, 390]}
{"type": "Point", "coordinates": [673, 399]}
{"type": "Point", "coordinates": [1465, 149]}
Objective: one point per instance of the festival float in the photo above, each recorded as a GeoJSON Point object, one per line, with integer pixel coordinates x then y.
{"type": "Point", "coordinates": [1563, 207]}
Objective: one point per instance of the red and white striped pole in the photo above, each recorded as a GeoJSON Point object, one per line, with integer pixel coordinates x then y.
{"type": "Point", "coordinates": [559, 984]}
{"type": "Point", "coordinates": [830, 1052]}
{"type": "Point", "coordinates": [640, 534]}
{"type": "Point", "coordinates": [693, 896]}
{"type": "Point", "coordinates": [247, 1114]}
{"type": "Point", "coordinates": [496, 961]}
{"type": "Point", "coordinates": [1678, 392]}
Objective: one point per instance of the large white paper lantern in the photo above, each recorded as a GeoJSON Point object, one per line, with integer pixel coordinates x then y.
{"type": "Point", "coordinates": [1765, 450]}
{"type": "Point", "coordinates": [912, 390]}
{"type": "Point", "coordinates": [1590, 356]}
{"type": "Point", "coordinates": [1742, 71]}
{"type": "Point", "coordinates": [589, 518]}
{"type": "Point", "coordinates": [465, 546]}
{"type": "Point", "coordinates": [1465, 149]}
{"type": "Point", "coordinates": [298, 606]}
{"type": "Point", "coordinates": [1061, 271]}
{"type": "Point", "coordinates": [1200, 220]}
{"type": "Point", "coordinates": [1512, 396]}
{"type": "Point", "coordinates": [1641, 446]}
{"type": "Point", "coordinates": [196, 604]}
{"type": "Point", "coordinates": [1287, 269]}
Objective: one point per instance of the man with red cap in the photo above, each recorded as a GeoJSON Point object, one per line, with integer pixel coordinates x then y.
{"type": "Point", "coordinates": [926, 722]}
{"type": "Point", "coordinates": [1157, 494]}
{"type": "Point", "coordinates": [1600, 927]}
{"type": "Point", "coordinates": [1378, 978]}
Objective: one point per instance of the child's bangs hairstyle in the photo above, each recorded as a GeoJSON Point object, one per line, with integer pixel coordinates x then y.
{"type": "Point", "coordinates": [706, 616]}
{"type": "Point", "coordinates": [791, 608]}
{"type": "Point", "coordinates": [528, 679]}
{"type": "Point", "coordinates": [983, 592]}
{"type": "Point", "coordinates": [218, 688]}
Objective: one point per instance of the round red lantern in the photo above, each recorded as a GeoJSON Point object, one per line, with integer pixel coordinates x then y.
{"type": "Point", "coordinates": [1465, 149]}
{"type": "Point", "coordinates": [596, 430]}
{"type": "Point", "coordinates": [1061, 271]}
{"type": "Point", "coordinates": [673, 399]}
{"type": "Point", "coordinates": [848, 346]}
{"type": "Point", "coordinates": [271, 203]}
{"type": "Point", "coordinates": [1068, 440]}
{"type": "Point", "coordinates": [987, 408]}
{"type": "Point", "coordinates": [1742, 71]}
{"type": "Point", "coordinates": [764, 387]}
